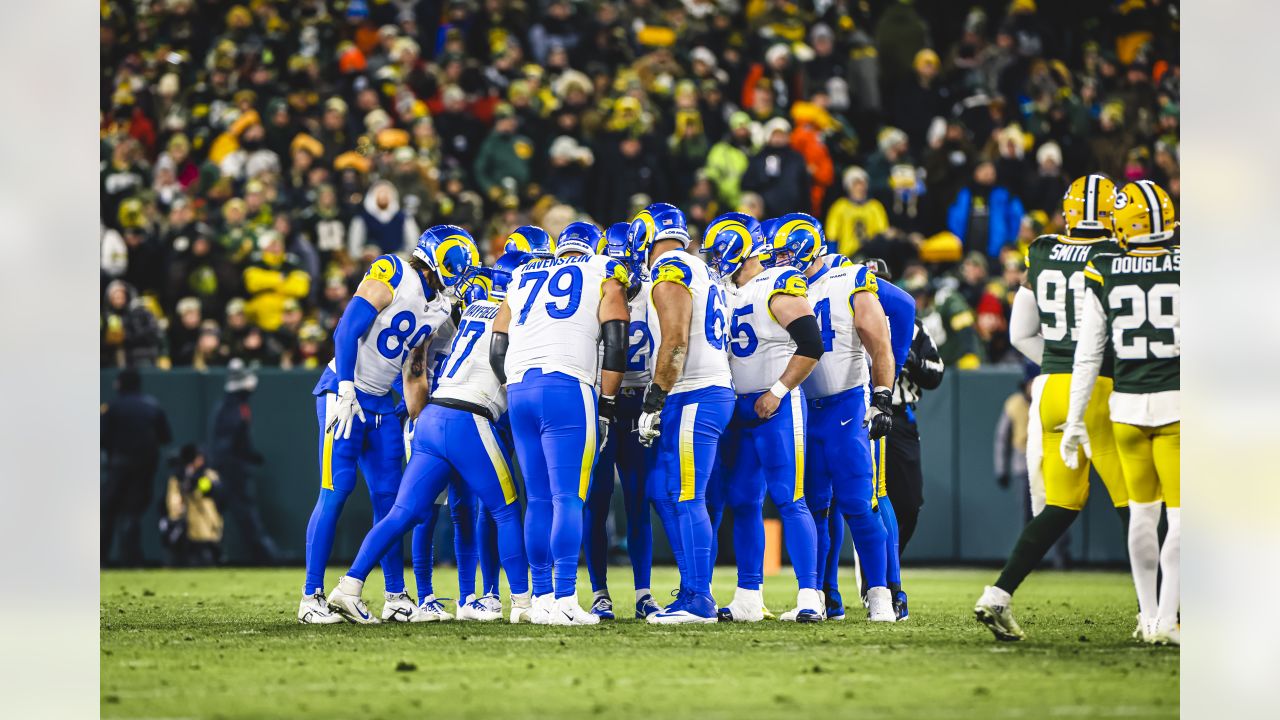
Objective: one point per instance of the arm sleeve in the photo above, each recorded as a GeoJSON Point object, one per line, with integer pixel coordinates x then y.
{"type": "Point", "coordinates": [355, 322]}
{"type": "Point", "coordinates": [928, 370]}
{"type": "Point", "coordinates": [1024, 326]}
{"type": "Point", "coordinates": [808, 338]}
{"type": "Point", "coordinates": [498, 355]}
{"type": "Point", "coordinates": [615, 345]}
{"type": "Point", "coordinates": [1088, 360]}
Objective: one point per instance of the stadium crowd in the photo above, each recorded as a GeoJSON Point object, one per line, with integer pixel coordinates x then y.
{"type": "Point", "coordinates": [256, 157]}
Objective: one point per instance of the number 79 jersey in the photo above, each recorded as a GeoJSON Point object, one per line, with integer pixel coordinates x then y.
{"type": "Point", "coordinates": [844, 364]}
{"type": "Point", "coordinates": [759, 347]}
{"type": "Point", "coordinates": [555, 315]}
{"type": "Point", "coordinates": [707, 363]}
{"type": "Point", "coordinates": [1055, 272]}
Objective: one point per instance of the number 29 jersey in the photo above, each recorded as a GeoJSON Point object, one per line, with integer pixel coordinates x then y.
{"type": "Point", "coordinates": [844, 364]}
{"type": "Point", "coordinates": [759, 347]}
{"type": "Point", "coordinates": [555, 315]}
{"type": "Point", "coordinates": [414, 313]}
{"type": "Point", "coordinates": [706, 364]}
{"type": "Point", "coordinates": [1055, 272]}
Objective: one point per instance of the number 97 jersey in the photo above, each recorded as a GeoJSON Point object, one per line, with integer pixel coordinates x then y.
{"type": "Point", "coordinates": [555, 315]}
{"type": "Point", "coordinates": [707, 363]}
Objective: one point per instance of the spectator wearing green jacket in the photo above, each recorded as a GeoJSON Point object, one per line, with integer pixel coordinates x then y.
{"type": "Point", "coordinates": [728, 159]}
{"type": "Point", "coordinates": [505, 157]}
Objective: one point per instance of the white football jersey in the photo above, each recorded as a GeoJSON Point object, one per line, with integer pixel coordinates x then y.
{"type": "Point", "coordinates": [413, 315]}
{"type": "Point", "coordinates": [759, 347]}
{"type": "Point", "coordinates": [555, 315]}
{"type": "Point", "coordinates": [438, 350]}
{"type": "Point", "coordinates": [706, 363]}
{"type": "Point", "coordinates": [843, 364]}
{"type": "Point", "coordinates": [466, 374]}
{"type": "Point", "coordinates": [640, 345]}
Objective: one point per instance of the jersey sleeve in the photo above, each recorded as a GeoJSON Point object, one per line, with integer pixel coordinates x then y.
{"type": "Point", "coordinates": [790, 282]}
{"type": "Point", "coordinates": [673, 270]}
{"type": "Point", "coordinates": [388, 270]}
{"type": "Point", "coordinates": [614, 270]}
{"type": "Point", "coordinates": [1092, 276]}
{"type": "Point", "coordinates": [864, 281]}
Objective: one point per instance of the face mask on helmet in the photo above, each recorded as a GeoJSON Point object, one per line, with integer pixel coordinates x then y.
{"type": "Point", "coordinates": [449, 252]}
{"type": "Point", "coordinates": [795, 243]}
{"type": "Point", "coordinates": [616, 245]}
{"type": "Point", "coordinates": [727, 243]}
{"type": "Point", "coordinates": [476, 285]}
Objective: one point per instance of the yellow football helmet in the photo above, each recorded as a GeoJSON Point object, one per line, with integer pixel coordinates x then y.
{"type": "Point", "coordinates": [1144, 214]}
{"type": "Point", "coordinates": [1089, 203]}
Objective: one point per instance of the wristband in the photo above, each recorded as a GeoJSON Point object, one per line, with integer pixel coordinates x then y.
{"type": "Point", "coordinates": [779, 390]}
{"type": "Point", "coordinates": [655, 398]}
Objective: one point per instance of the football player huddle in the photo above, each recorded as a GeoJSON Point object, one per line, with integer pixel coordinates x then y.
{"type": "Point", "coordinates": [708, 374]}
{"type": "Point", "coordinates": [1100, 313]}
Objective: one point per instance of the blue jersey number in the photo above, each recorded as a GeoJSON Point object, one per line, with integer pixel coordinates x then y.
{"type": "Point", "coordinates": [437, 368]}
{"type": "Point", "coordinates": [398, 338]}
{"type": "Point", "coordinates": [475, 329]}
{"type": "Point", "coordinates": [556, 288]}
{"type": "Point", "coordinates": [742, 339]}
{"type": "Point", "coordinates": [823, 311]}
{"type": "Point", "coordinates": [715, 325]}
{"type": "Point", "coordinates": [639, 345]}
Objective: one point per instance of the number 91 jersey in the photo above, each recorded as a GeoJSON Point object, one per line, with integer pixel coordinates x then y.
{"type": "Point", "coordinates": [555, 315]}
{"type": "Point", "coordinates": [414, 313]}
{"type": "Point", "coordinates": [843, 365]}
{"type": "Point", "coordinates": [706, 364]}
{"type": "Point", "coordinates": [759, 346]}
{"type": "Point", "coordinates": [1055, 272]}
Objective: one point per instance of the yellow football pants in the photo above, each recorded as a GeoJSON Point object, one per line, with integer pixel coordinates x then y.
{"type": "Point", "coordinates": [1152, 460]}
{"type": "Point", "coordinates": [1064, 487]}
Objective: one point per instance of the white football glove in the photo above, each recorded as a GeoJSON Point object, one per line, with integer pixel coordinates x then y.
{"type": "Point", "coordinates": [1074, 437]}
{"type": "Point", "coordinates": [345, 410]}
{"type": "Point", "coordinates": [649, 427]}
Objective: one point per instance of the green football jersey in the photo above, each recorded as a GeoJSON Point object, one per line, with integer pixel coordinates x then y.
{"type": "Point", "coordinates": [1055, 272]}
{"type": "Point", "coordinates": [1140, 291]}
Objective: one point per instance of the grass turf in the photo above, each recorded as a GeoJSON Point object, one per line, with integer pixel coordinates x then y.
{"type": "Point", "coordinates": [224, 643]}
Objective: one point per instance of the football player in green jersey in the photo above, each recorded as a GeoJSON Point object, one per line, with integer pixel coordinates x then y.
{"type": "Point", "coordinates": [1132, 300]}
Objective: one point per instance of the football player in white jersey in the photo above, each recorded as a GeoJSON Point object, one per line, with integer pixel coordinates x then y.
{"type": "Point", "coordinates": [688, 403]}
{"type": "Point", "coordinates": [396, 308]}
{"type": "Point", "coordinates": [544, 349]}
{"type": "Point", "coordinates": [774, 344]}
{"type": "Point", "coordinates": [456, 435]}
{"type": "Point", "coordinates": [838, 460]}
{"type": "Point", "coordinates": [622, 452]}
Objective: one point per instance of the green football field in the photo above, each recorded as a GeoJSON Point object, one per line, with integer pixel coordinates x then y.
{"type": "Point", "coordinates": [224, 643]}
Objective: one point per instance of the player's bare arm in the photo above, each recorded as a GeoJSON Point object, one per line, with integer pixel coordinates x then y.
{"type": "Point", "coordinates": [674, 306]}
{"type": "Point", "coordinates": [416, 387]}
{"type": "Point", "coordinates": [613, 308]}
{"type": "Point", "coordinates": [498, 345]}
{"type": "Point", "coordinates": [791, 312]}
{"type": "Point", "coordinates": [873, 328]}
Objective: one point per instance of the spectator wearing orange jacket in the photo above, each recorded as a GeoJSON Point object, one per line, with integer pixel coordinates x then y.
{"type": "Point", "coordinates": [811, 123]}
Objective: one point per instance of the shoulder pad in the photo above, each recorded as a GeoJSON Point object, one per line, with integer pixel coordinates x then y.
{"type": "Point", "coordinates": [388, 270]}
{"type": "Point", "coordinates": [673, 269]}
{"type": "Point", "coordinates": [791, 282]}
{"type": "Point", "coordinates": [614, 270]}
{"type": "Point", "coordinates": [864, 280]}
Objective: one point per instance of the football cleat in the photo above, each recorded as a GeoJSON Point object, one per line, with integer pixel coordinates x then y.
{"type": "Point", "coordinates": [746, 606]}
{"type": "Point", "coordinates": [602, 607]}
{"type": "Point", "coordinates": [542, 608]}
{"type": "Point", "coordinates": [314, 610]}
{"type": "Point", "coordinates": [398, 607]}
{"type": "Point", "coordinates": [809, 608]}
{"type": "Point", "coordinates": [695, 609]}
{"type": "Point", "coordinates": [492, 602]}
{"type": "Point", "coordinates": [345, 600]}
{"type": "Point", "coordinates": [478, 611]}
{"type": "Point", "coordinates": [646, 607]}
{"type": "Point", "coordinates": [900, 606]}
{"type": "Point", "coordinates": [567, 611]}
{"type": "Point", "coordinates": [1172, 636]}
{"type": "Point", "coordinates": [432, 610]}
{"type": "Point", "coordinates": [835, 605]}
{"type": "Point", "coordinates": [993, 610]}
{"type": "Point", "coordinates": [880, 605]}
{"type": "Point", "coordinates": [521, 608]}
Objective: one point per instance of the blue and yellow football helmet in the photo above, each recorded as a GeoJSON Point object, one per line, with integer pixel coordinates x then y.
{"type": "Point", "coordinates": [796, 243]}
{"type": "Point", "coordinates": [531, 239]}
{"type": "Point", "coordinates": [615, 244]}
{"type": "Point", "coordinates": [581, 236]}
{"type": "Point", "coordinates": [729, 241]}
{"type": "Point", "coordinates": [448, 251]}
{"type": "Point", "coordinates": [659, 221]}
{"type": "Point", "coordinates": [502, 270]}
{"type": "Point", "coordinates": [475, 286]}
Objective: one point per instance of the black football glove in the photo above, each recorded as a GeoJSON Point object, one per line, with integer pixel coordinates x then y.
{"type": "Point", "coordinates": [880, 416]}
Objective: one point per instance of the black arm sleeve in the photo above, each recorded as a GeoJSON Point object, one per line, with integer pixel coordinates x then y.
{"type": "Point", "coordinates": [928, 369]}
{"type": "Point", "coordinates": [498, 356]}
{"type": "Point", "coordinates": [804, 331]}
{"type": "Point", "coordinates": [615, 345]}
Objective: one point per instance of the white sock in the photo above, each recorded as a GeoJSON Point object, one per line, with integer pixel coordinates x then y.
{"type": "Point", "coordinates": [522, 600]}
{"type": "Point", "coordinates": [808, 599]}
{"type": "Point", "coordinates": [350, 585]}
{"type": "Point", "coordinates": [601, 594]}
{"type": "Point", "coordinates": [641, 592]}
{"type": "Point", "coordinates": [1144, 554]}
{"type": "Point", "coordinates": [996, 596]}
{"type": "Point", "coordinates": [1170, 558]}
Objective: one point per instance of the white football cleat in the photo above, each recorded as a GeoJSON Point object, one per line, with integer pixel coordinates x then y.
{"type": "Point", "coordinates": [345, 600]}
{"type": "Point", "coordinates": [746, 606]}
{"type": "Point", "coordinates": [543, 606]}
{"type": "Point", "coordinates": [492, 603]}
{"type": "Point", "coordinates": [568, 608]}
{"type": "Point", "coordinates": [478, 611]}
{"type": "Point", "coordinates": [1164, 635]}
{"type": "Point", "coordinates": [432, 610]}
{"type": "Point", "coordinates": [521, 608]}
{"type": "Point", "coordinates": [314, 610]}
{"type": "Point", "coordinates": [880, 605]}
{"type": "Point", "coordinates": [994, 611]}
{"type": "Point", "coordinates": [810, 607]}
{"type": "Point", "coordinates": [399, 607]}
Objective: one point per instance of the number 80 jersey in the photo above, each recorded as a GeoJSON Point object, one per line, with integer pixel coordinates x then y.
{"type": "Point", "coordinates": [706, 364]}
{"type": "Point", "coordinates": [555, 315]}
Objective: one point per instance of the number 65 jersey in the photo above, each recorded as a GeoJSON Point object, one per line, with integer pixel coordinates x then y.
{"type": "Point", "coordinates": [555, 315]}
{"type": "Point", "coordinates": [707, 363]}
{"type": "Point", "coordinates": [414, 313]}
{"type": "Point", "coordinates": [759, 346]}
